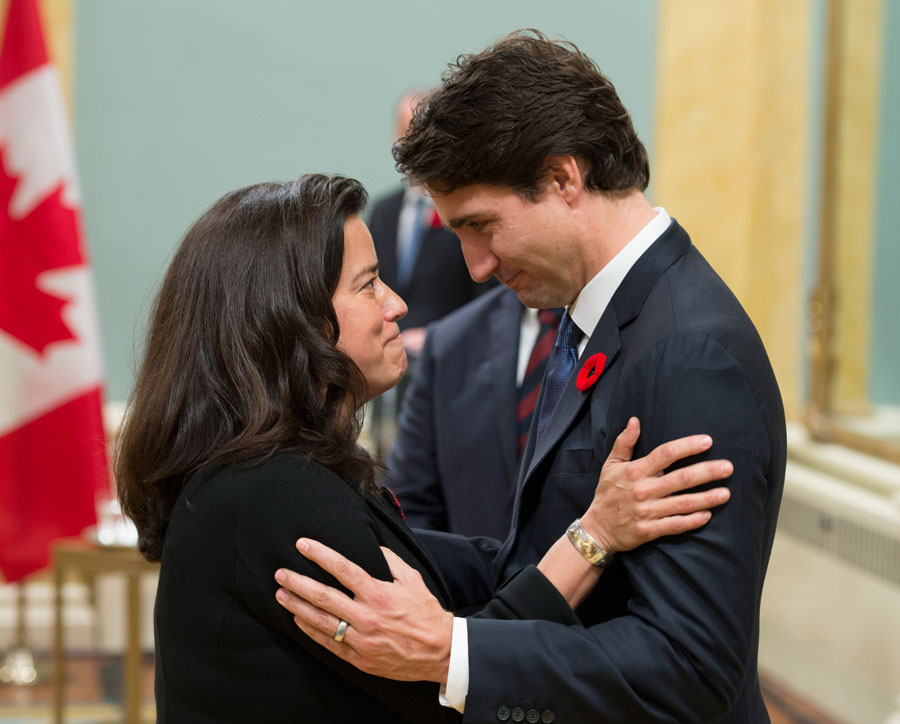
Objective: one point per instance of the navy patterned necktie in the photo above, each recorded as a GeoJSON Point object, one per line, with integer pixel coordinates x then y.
{"type": "Point", "coordinates": [559, 369]}
{"type": "Point", "coordinates": [535, 371]}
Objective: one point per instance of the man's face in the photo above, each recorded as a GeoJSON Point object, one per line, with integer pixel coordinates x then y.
{"type": "Point", "coordinates": [530, 246]}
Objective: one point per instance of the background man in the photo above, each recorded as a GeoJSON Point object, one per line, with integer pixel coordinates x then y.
{"type": "Point", "coordinates": [417, 256]}
{"type": "Point", "coordinates": [533, 161]}
{"type": "Point", "coordinates": [422, 261]}
{"type": "Point", "coordinates": [453, 467]}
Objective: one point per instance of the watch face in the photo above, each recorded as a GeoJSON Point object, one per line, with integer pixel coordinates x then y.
{"type": "Point", "coordinates": [587, 546]}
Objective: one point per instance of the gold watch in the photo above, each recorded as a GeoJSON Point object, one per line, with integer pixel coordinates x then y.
{"type": "Point", "coordinates": [587, 546]}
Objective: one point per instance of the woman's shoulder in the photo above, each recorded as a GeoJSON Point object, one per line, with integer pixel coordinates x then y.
{"type": "Point", "coordinates": [281, 479]}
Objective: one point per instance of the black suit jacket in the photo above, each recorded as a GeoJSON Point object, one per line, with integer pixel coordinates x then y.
{"type": "Point", "coordinates": [671, 632]}
{"type": "Point", "coordinates": [440, 280]}
{"type": "Point", "coordinates": [227, 652]}
{"type": "Point", "coordinates": [452, 466]}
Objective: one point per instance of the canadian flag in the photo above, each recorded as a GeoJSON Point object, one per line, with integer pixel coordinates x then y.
{"type": "Point", "coordinates": [52, 448]}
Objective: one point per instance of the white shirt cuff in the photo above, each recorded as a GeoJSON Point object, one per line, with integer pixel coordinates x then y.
{"type": "Point", "coordinates": [453, 693]}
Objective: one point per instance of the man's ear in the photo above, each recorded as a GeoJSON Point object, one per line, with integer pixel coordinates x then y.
{"type": "Point", "coordinates": [565, 176]}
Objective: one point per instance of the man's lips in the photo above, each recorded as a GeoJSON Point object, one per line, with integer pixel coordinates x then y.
{"type": "Point", "coordinates": [511, 280]}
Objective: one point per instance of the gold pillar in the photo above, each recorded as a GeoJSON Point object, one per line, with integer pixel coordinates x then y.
{"type": "Point", "coordinates": [732, 155]}
{"type": "Point", "coordinates": [857, 99]}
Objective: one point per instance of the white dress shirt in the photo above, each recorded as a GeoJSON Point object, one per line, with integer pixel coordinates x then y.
{"type": "Point", "coordinates": [585, 312]}
{"type": "Point", "coordinates": [529, 329]}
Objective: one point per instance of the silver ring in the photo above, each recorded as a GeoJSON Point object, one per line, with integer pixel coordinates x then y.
{"type": "Point", "coordinates": [341, 631]}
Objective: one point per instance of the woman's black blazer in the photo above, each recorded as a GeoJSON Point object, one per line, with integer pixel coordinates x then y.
{"type": "Point", "coordinates": [227, 652]}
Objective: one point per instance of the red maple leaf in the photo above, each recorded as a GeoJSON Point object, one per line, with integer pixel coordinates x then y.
{"type": "Point", "coordinates": [48, 238]}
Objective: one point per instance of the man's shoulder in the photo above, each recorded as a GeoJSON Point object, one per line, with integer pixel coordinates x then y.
{"type": "Point", "coordinates": [392, 200]}
{"type": "Point", "coordinates": [470, 318]}
{"type": "Point", "coordinates": [701, 301]}
{"type": "Point", "coordinates": [691, 316]}
{"type": "Point", "coordinates": [675, 289]}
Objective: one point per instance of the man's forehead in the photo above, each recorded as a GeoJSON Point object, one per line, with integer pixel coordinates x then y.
{"type": "Point", "coordinates": [474, 194]}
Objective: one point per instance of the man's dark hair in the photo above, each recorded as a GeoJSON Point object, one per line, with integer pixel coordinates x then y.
{"type": "Point", "coordinates": [500, 113]}
{"type": "Point", "coordinates": [241, 359]}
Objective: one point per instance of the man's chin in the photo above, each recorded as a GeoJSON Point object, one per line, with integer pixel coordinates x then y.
{"type": "Point", "coordinates": [536, 299]}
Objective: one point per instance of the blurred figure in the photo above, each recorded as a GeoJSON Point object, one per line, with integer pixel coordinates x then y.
{"type": "Point", "coordinates": [453, 467]}
{"type": "Point", "coordinates": [423, 261]}
{"type": "Point", "coordinates": [416, 255]}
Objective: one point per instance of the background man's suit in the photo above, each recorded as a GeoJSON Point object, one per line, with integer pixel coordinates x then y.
{"type": "Point", "coordinates": [453, 467]}
{"type": "Point", "coordinates": [671, 631]}
{"type": "Point", "coordinates": [440, 281]}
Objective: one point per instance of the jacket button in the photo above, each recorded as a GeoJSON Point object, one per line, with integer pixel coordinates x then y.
{"type": "Point", "coordinates": [502, 713]}
{"type": "Point", "coordinates": [548, 716]}
{"type": "Point", "coordinates": [532, 716]}
{"type": "Point", "coordinates": [518, 714]}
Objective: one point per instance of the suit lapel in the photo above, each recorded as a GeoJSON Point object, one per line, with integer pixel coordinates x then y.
{"type": "Point", "coordinates": [387, 235]}
{"type": "Point", "coordinates": [504, 326]}
{"type": "Point", "coordinates": [606, 338]}
{"type": "Point", "coordinates": [624, 306]}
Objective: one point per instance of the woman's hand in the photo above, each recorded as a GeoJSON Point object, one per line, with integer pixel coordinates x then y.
{"type": "Point", "coordinates": [634, 503]}
{"type": "Point", "coordinates": [635, 500]}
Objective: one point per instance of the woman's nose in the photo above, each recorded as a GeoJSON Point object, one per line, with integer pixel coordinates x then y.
{"type": "Point", "coordinates": [394, 306]}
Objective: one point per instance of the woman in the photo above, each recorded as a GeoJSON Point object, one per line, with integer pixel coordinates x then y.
{"type": "Point", "coordinates": [270, 332]}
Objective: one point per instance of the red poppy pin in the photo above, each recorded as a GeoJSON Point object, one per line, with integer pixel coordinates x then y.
{"type": "Point", "coordinates": [591, 371]}
{"type": "Point", "coordinates": [436, 220]}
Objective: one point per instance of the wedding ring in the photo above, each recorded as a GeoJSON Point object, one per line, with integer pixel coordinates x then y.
{"type": "Point", "coordinates": [341, 631]}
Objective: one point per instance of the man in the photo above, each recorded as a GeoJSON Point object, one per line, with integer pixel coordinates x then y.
{"type": "Point", "coordinates": [532, 159]}
{"type": "Point", "coordinates": [452, 467]}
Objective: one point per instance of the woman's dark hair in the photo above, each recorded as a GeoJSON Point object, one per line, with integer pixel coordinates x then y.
{"type": "Point", "coordinates": [500, 113]}
{"type": "Point", "coordinates": [241, 358]}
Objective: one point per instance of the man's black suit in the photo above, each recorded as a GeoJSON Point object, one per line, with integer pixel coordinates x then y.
{"type": "Point", "coordinates": [452, 466]}
{"type": "Point", "coordinates": [671, 632]}
{"type": "Point", "coordinates": [440, 281]}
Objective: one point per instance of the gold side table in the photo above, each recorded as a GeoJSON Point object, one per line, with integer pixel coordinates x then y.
{"type": "Point", "coordinates": [90, 559]}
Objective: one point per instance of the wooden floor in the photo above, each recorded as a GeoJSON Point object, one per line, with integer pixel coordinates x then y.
{"type": "Point", "coordinates": [94, 691]}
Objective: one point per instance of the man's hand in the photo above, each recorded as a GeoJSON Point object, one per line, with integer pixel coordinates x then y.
{"type": "Point", "coordinates": [398, 629]}
{"type": "Point", "coordinates": [636, 501]}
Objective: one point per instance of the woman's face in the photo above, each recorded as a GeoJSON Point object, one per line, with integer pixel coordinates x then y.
{"type": "Point", "coordinates": [367, 311]}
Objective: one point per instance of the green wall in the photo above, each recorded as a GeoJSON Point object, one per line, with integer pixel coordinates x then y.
{"type": "Point", "coordinates": [178, 101]}
{"type": "Point", "coordinates": [884, 386]}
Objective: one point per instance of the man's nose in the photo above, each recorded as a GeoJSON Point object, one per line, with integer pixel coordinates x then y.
{"type": "Point", "coordinates": [480, 261]}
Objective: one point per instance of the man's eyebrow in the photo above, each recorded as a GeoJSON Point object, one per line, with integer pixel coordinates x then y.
{"type": "Point", "coordinates": [455, 223]}
{"type": "Point", "coordinates": [373, 269]}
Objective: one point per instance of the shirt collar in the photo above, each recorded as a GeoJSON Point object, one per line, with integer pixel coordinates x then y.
{"type": "Point", "coordinates": [593, 299]}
